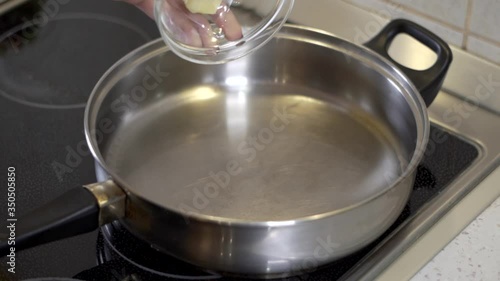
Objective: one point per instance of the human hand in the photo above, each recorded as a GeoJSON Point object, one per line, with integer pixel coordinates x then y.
{"type": "Point", "coordinates": [194, 29]}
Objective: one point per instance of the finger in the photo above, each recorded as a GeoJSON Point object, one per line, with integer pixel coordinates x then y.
{"type": "Point", "coordinates": [198, 22]}
{"type": "Point", "coordinates": [204, 29]}
{"type": "Point", "coordinates": [226, 20]}
{"type": "Point", "coordinates": [181, 26]}
{"type": "Point", "coordinates": [190, 29]}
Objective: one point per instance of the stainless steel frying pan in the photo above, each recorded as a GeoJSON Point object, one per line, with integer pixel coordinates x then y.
{"type": "Point", "coordinates": [287, 159]}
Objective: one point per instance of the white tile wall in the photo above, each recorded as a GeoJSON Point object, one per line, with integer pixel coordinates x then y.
{"type": "Point", "coordinates": [485, 18]}
{"type": "Point", "coordinates": [453, 12]}
{"type": "Point", "coordinates": [487, 50]}
{"type": "Point", "coordinates": [395, 10]}
{"type": "Point", "coordinates": [473, 25]}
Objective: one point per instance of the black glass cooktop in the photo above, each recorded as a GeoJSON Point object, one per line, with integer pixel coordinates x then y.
{"type": "Point", "coordinates": [48, 67]}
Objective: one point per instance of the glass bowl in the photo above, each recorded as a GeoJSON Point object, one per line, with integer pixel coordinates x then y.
{"type": "Point", "coordinates": [218, 31]}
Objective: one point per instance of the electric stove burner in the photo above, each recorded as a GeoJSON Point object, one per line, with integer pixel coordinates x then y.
{"type": "Point", "coordinates": [52, 279]}
{"type": "Point", "coordinates": [118, 244]}
{"type": "Point", "coordinates": [49, 65]}
{"type": "Point", "coordinates": [123, 257]}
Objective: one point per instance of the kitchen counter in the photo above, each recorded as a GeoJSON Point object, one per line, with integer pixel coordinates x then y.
{"type": "Point", "coordinates": [439, 250]}
{"type": "Point", "coordinates": [472, 255]}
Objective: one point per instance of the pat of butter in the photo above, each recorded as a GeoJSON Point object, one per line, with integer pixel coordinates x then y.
{"type": "Point", "coordinates": [208, 7]}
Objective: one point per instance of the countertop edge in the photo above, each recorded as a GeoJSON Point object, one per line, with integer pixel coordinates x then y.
{"type": "Point", "coordinates": [445, 231]}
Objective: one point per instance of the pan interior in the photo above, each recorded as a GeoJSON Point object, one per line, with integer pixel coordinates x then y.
{"type": "Point", "coordinates": [260, 152]}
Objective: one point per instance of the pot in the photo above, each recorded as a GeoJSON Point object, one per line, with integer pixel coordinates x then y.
{"type": "Point", "coordinates": [292, 157]}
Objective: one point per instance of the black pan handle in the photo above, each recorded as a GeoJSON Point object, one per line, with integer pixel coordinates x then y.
{"type": "Point", "coordinates": [428, 81]}
{"type": "Point", "coordinates": [74, 212]}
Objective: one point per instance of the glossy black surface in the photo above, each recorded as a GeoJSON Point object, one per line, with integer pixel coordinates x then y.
{"type": "Point", "coordinates": [46, 76]}
{"type": "Point", "coordinates": [428, 81]}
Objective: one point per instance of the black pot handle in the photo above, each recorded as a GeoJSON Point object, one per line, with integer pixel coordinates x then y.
{"type": "Point", "coordinates": [74, 212]}
{"type": "Point", "coordinates": [428, 81]}
{"type": "Point", "coordinates": [78, 211]}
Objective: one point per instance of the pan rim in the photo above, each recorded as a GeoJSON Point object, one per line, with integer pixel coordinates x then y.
{"type": "Point", "coordinates": [295, 32]}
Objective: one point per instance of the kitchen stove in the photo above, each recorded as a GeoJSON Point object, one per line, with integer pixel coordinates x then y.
{"type": "Point", "coordinates": [120, 255]}
{"type": "Point", "coordinates": [46, 75]}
